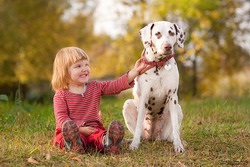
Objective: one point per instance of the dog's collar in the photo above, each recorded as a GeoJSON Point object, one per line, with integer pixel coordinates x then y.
{"type": "Point", "coordinates": [159, 63]}
{"type": "Point", "coordinates": [152, 64]}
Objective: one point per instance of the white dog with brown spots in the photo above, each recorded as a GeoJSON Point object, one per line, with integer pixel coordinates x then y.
{"type": "Point", "coordinates": [154, 113]}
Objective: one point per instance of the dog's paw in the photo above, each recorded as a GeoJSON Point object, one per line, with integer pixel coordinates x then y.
{"type": "Point", "coordinates": [133, 146]}
{"type": "Point", "coordinates": [179, 148]}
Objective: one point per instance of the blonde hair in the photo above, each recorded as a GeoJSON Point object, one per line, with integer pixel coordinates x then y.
{"type": "Point", "coordinates": [63, 60]}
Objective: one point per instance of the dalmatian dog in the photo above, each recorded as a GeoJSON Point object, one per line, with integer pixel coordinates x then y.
{"type": "Point", "coordinates": [154, 113]}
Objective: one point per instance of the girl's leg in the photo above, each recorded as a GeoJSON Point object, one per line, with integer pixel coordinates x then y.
{"type": "Point", "coordinates": [113, 138]}
{"type": "Point", "coordinates": [71, 136]}
{"type": "Point", "coordinates": [107, 141]}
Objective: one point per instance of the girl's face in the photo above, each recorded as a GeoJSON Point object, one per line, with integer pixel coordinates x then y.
{"type": "Point", "coordinates": [79, 72]}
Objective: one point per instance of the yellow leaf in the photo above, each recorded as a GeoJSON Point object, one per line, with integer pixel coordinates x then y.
{"type": "Point", "coordinates": [47, 156]}
{"type": "Point", "coordinates": [32, 160]}
{"type": "Point", "coordinates": [179, 164]}
{"type": "Point", "coordinates": [77, 159]}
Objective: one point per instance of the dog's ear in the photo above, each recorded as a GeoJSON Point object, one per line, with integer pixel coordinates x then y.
{"type": "Point", "coordinates": [146, 35]}
{"type": "Point", "coordinates": [180, 36]}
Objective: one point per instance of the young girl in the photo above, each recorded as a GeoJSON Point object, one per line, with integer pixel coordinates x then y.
{"type": "Point", "coordinates": [77, 103]}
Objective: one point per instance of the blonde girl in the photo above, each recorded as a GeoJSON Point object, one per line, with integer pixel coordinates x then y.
{"type": "Point", "coordinates": [77, 102]}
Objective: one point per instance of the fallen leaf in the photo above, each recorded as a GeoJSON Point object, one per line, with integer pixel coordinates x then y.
{"type": "Point", "coordinates": [179, 164]}
{"type": "Point", "coordinates": [77, 159]}
{"type": "Point", "coordinates": [32, 160]}
{"type": "Point", "coordinates": [48, 156]}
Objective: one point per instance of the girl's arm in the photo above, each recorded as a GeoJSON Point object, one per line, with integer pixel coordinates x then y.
{"type": "Point", "coordinates": [133, 73]}
{"type": "Point", "coordinates": [122, 83]}
{"type": "Point", "coordinates": [60, 108]}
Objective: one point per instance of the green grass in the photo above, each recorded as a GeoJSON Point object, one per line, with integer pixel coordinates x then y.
{"type": "Point", "coordinates": [216, 132]}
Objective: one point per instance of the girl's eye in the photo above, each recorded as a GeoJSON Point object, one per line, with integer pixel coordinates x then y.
{"type": "Point", "coordinates": [77, 66]}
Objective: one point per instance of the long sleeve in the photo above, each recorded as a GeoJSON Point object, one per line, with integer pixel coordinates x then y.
{"type": "Point", "coordinates": [115, 86]}
{"type": "Point", "coordinates": [60, 108]}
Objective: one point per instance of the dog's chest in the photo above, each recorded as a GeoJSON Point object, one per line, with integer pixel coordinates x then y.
{"type": "Point", "coordinates": [159, 80]}
{"type": "Point", "coordinates": [158, 86]}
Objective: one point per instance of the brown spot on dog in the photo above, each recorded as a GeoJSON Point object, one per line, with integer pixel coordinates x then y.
{"type": "Point", "coordinates": [149, 102]}
{"type": "Point", "coordinates": [165, 100]}
{"type": "Point", "coordinates": [171, 33]}
{"type": "Point", "coordinates": [161, 111]}
{"type": "Point", "coordinates": [156, 69]}
{"type": "Point", "coordinates": [175, 90]}
{"type": "Point", "coordinates": [158, 35]}
{"type": "Point", "coordinates": [175, 102]}
{"type": "Point", "coordinates": [151, 89]}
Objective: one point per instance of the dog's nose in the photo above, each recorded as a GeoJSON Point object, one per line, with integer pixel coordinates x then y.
{"type": "Point", "coordinates": [167, 47]}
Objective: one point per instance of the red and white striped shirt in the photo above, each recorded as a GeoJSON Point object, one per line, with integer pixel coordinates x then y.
{"type": "Point", "coordinates": [84, 110]}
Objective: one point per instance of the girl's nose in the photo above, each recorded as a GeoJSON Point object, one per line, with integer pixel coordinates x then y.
{"type": "Point", "coordinates": [85, 68]}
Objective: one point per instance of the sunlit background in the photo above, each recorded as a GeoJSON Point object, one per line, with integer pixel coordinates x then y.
{"type": "Point", "coordinates": [214, 62]}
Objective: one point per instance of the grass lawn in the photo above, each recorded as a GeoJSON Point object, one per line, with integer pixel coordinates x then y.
{"type": "Point", "coordinates": [215, 132]}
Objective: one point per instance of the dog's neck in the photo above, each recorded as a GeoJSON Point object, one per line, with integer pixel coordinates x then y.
{"type": "Point", "coordinates": [154, 63]}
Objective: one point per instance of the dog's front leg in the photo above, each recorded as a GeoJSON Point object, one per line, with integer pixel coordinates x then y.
{"type": "Point", "coordinates": [176, 118]}
{"type": "Point", "coordinates": [139, 124]}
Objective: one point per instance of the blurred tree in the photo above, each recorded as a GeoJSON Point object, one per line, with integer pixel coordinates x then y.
{"type": "Point", "coordinates": [27, 36]}
{"type": "Point", "coordinates": [31, 32]}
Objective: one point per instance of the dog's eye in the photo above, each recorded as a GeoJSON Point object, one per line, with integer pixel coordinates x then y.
{"type": "Point", "coordinates": [158, 35]}
{"type": "Point", "coordinates": [171, 33]}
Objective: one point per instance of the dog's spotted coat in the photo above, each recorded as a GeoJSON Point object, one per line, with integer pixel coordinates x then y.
{"type": "Point", "coordinates": [155, 113]}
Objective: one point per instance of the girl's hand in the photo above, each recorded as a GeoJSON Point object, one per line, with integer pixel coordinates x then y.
{"type": "Point", "coordinates": [139, 66]}
{"type": "Point", "coordinates": [87, 130]}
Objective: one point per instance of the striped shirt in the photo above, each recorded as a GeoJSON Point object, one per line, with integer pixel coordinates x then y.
{"type": "Point", "coordinates": [83, 110]}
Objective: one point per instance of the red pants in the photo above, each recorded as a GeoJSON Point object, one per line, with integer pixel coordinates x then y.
{"type": "Point", "coordinates": [94, 140]}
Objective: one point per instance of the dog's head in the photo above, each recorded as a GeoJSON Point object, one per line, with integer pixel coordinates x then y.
{"type": "Point", "coordinates": [159, 38]}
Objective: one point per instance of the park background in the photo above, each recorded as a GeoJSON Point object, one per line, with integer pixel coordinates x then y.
{"type": "Point", "coordinates": [213, 65]}
{"type": "Point", "coordinates": [214, 62]}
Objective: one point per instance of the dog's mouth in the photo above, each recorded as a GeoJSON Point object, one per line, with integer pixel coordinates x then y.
{"type": "Point", "coordinates": [164, 54]}
{"type": "Point", "coordinates": [167, 52]}
{"type": "Point", "coordinates": [160, 57]}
